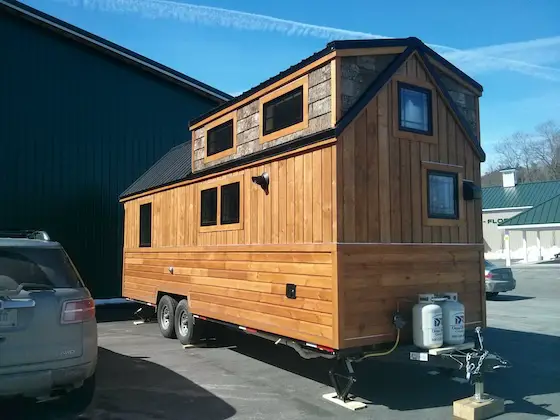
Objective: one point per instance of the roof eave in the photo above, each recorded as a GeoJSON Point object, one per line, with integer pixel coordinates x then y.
{"type": "Point", "coordinates": [535, 226]}
{"type": "Point", "coordinates": [78, 34]}
{"type": "Point", "coordinates": [471, 137]}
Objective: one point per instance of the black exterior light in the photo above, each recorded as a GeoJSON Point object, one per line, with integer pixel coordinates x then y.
{"type": "Point", "coordinates": [262, 181]}
{"type": "Point", "coordinates": [471, 191]}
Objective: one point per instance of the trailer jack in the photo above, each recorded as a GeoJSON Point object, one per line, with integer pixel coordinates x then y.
{"type": "Point", "coordinates": [342, 378]}
{"type": "Point", "coordinates": [342, 381]}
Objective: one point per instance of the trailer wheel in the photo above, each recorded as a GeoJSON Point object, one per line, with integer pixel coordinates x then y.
{"type": "Point", "coordinates": [188, 331]}
{"type": "Point", "coordinates": [166, 309]}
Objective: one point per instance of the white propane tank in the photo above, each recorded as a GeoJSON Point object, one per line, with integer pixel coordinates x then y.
{"type": "Point", "coordinates": [453, 319]}
{"type": "Point", "coordinates": [427, 322]}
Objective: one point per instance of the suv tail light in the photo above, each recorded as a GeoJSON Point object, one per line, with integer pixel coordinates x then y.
{"type": "Point", "coordinates": [489, 275]}
{"type": "Point", "coordinates": [74, 311]}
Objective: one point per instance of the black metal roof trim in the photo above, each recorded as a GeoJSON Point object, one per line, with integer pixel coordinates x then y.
{"type": "Point", "coordinates": [466, 126]}
{"type": "Point", "coordinates": [373, 90]}
{"type": "Point", "coordinates": [347, 44]}
{"type": "Point", "coordinates": [53, 23]}
{"type": "Point", "coordinates": [251, 158]}
{"type": "Point", "coordinates": [451, 67]}
{"type": "Point", "coordinates": [316, 56]}
{"type": "Point", "coordinates": [172, 166]}
{"type": "Point", "coordinates": [342, 45]}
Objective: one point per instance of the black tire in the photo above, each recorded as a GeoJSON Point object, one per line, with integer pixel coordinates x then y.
{"type": "Point", "coordinates": [81, 398]}
{"type": "Point", "coordinates": [491, 295]}
{"type": "Point", "coordinates": [166, 315]}
{"type": "Point", "coordinates": [188, 330]}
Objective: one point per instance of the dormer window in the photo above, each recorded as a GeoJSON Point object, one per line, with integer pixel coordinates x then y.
{"type": "Point", "coordinates": [221, 138]}
{"type": "Point", "coordinates": [284, 110]}
{"type": "Point", "coordinates": [415, 109]}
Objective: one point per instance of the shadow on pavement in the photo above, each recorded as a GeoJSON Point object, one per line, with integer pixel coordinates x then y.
{"type": "Point", "coordinates": [406, 386]}
{"type": "Point", "coordinates": [131, 388]}
{"type": "Point", "coordinates": [508, 298]}
{"type": "Point", "coordinates": [117, 312]}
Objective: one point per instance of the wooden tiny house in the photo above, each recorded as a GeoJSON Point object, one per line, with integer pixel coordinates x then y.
{"type": "Point", "coordinates": [372, 154]}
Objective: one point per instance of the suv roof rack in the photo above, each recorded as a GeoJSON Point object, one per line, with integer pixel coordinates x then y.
{"type": "Point", "coordinates": [27, 234]}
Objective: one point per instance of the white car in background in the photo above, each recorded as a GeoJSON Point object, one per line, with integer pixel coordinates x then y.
{"type": "Point", "coordinates": [48, 329]}
{"type": "Point", "coordinates": [498, 279]}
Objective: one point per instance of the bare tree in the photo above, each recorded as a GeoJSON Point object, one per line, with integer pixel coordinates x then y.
{"type": "Point", "coordinates": [536, 156]}
{"type": "Point", "coordinates": [547, 148]}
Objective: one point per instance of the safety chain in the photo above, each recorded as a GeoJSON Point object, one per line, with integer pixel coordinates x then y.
{"type": "Point", "coordinates": [473, 370]}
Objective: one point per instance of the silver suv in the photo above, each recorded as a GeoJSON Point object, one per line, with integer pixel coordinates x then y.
{"type": "Point", "coordinates": [48, 330]}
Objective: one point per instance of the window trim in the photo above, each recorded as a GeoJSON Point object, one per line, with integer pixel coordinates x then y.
{"type": "Point", "coordinates": [431, 136]}
{"type": "Point", "coordinates": [218, 227]}
{"type": "Point", "coordinates": [140, 204]}
{"type": "Point", "coordinates": [301, 82]}
{"type": "Point", "coordinates": [443, 168]}
{"type": "Point", "coordinates": [218, 121]}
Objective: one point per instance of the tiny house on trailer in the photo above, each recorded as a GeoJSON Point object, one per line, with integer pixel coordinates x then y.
{"type": "Point", "coordinates": [318, 205]}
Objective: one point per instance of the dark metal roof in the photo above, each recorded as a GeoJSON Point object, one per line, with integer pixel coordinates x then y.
{"type": "Point", "coordinates": [342, 45]}
{"type": "Point", "coordinates": [108, 47]}
{"type": "Point", "coordinates": [174, 166]}
{"type": "Point", "coordinates": [529, 194]}
{"type": "Point", "coordinates": [162, 173]}
{"type": "Point", "coordinates": [543, 214]}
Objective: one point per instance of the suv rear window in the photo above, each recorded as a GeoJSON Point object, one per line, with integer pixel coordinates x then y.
{"type": "Point", "coordinates": [48, 266]}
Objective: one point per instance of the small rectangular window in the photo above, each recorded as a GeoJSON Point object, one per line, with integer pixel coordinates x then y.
{"type": "Point", "coordinates": [283, 111]}
{"type": "Point", "coordinates": [443, 196]}
{"type": "Point", "coordinates": [229, 209]}
{"type": "Point", "coordinates": [415, 109]}
{"type": "Point", "coordinates": [146, 225]}
{"type": "Point", "coordinates": [219, 138]}
{"type": "Point", "coordinates": [209, 207]}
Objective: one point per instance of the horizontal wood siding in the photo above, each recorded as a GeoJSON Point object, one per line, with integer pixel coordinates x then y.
{"type": "Point", "coordinates": [380, 172]}
{"type": "Point", "coordinates": [374, 278]}
{"type": "Point", "coordinates": [245, 285]}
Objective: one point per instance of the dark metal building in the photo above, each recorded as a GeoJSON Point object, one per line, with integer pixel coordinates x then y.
{"type": "Point", "coordinates": [80, 119]}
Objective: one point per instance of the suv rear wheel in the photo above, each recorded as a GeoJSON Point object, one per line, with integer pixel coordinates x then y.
{"type": "Point", "coordinates": [82, 397]}
{"type": "Point", "coordinates": [166, 316]}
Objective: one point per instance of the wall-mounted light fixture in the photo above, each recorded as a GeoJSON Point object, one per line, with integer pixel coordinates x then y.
{"type": "Point", "coordinates": [471, 191]}
{"type": "Point", "coordinates": [262, 181]}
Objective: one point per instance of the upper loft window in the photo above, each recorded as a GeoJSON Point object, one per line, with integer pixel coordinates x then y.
{"type": "Point", "coordinates": [146, 225]}
{"type": "Point", "coordinates": [415, 109]}
{"type": "Point", "coordinates": [443, 195]}
{"type": "Point", "coordinates": [283, 111]}
{"type": "Point", "coordinates": [219, 138]}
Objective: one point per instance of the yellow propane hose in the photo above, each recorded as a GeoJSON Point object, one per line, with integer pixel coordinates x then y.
{"type": "Point", "coordinates": [397, 339]}
{"type": "Point", "coordinates": [385, 353]}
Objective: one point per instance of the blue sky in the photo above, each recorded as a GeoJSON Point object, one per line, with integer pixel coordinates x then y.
{"type": "Point", "coordinates": [511, 47]}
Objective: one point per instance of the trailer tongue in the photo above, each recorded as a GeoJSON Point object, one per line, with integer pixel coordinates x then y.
{"type": "Point", "coordinates": [470, 357]}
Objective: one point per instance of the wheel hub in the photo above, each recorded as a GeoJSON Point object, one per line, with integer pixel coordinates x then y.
{"type": "Point", "coordinates": [165, 315]}
{"type": "Point", "coordinates": [184, 323]}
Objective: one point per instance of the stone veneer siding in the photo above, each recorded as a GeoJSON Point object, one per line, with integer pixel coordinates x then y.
{"type": "Point", "coordinates": [464, 99]}
{"type": "Point", "coordinates": [358, 73]}
{"type": "Point", "coordinates": [248, 120]}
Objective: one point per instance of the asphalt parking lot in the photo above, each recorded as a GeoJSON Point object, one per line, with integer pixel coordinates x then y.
{"type": "Point", "coordinates": [143, 376]}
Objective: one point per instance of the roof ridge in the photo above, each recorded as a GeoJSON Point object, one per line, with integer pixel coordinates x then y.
{"type": "Point", "coordinates": [524, 183]}
{"type": "Point", "coordinates": [409, 42]}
